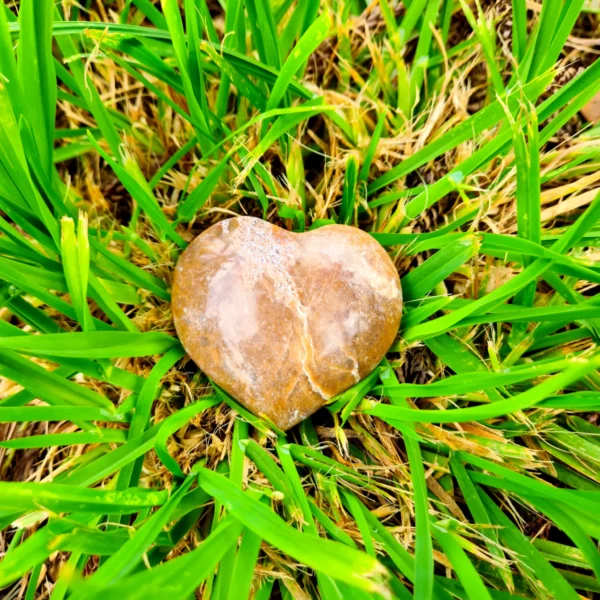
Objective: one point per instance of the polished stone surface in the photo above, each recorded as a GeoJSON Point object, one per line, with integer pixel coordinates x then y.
{"type": "Point", "coordinates": [283, 321]}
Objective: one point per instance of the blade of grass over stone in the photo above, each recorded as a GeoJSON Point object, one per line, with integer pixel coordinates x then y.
{"type": "Point", "coordinates": [331, 558]}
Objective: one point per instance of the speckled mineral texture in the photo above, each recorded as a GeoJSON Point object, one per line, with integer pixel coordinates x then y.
{"type": "Point", "coordinates": [283, 321]}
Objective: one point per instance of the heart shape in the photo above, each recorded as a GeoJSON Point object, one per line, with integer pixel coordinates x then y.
{"type": "Point", "coordinates": [285, 321]}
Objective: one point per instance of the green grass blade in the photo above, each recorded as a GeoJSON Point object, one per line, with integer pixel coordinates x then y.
{"type": "Point", "coordinates": [122, 562]}
{"type": "Point", "coordinates": [36, 68]}
{"type": "Point", "coordinates": [180, 576]}
{"type": "Point", "coordinates": [540, 568]}
{"type": "Point", "coordinates": [466, 572]}
{"type": "Point", "coordinates": [340, 562]}
{"type": "Point", "coordinates": [58, 497]}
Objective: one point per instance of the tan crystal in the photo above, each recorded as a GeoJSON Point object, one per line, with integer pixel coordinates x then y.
{"type": "Point", "coordinates": [284, 321]}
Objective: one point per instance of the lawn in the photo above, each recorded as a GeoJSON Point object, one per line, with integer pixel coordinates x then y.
{"type": "Point", "coordinates": [467, 464]}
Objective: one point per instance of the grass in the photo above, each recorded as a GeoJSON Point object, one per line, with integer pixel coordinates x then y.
{"type": "Point", "coordinates": [466, 466]}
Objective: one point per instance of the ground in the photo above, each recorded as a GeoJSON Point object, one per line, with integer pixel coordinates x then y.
{"type": "Point", "coordinates": [456, 134]}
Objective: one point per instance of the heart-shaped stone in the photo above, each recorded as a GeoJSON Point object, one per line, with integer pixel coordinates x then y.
{"type": "Point", "coordinates": [284, 321]}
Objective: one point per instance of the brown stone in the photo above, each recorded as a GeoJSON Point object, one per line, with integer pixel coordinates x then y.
{"type": "Point", "coordinates": [283, 321]}
{"type": "Point", "coordinates": [591, 111]}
